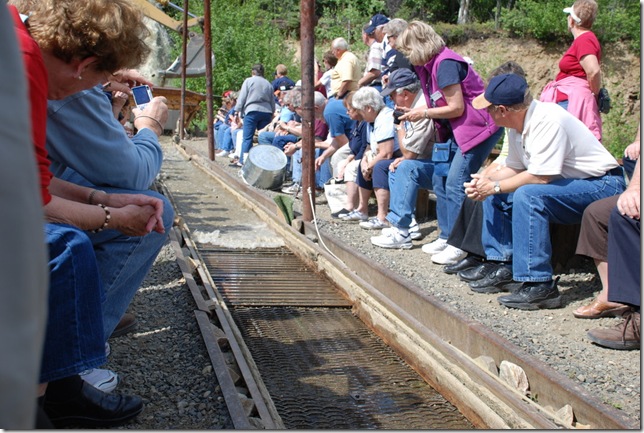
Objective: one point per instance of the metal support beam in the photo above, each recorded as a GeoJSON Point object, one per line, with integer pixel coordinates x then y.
{"type": "Point", "coordinates": [184, 57]}
{"type": "Point", "coordinates": [307, 41]}
{"type": "Point", "coordinates": [207, 32]}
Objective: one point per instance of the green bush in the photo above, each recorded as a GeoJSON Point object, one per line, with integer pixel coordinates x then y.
{"type": "Point", "coordinates": [544, 20]}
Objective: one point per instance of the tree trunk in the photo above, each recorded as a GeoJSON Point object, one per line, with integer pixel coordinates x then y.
{"type": "Point", "coordinates": [464, 12]}
{"type": "Point", "coordinates": [497, 16]}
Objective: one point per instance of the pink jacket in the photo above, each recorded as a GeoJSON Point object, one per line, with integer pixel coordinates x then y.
{"type": "Point", "coordinates": [581, 102]}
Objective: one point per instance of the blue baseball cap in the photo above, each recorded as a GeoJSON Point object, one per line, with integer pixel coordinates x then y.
{"type": "Point", "coordinates": [506, 89]}
{"type": "Point", "coordinates": [399, 78]}
{"type": "Point", "coordinates": [376, 21]}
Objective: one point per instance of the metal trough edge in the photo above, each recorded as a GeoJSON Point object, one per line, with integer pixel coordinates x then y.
{"type": "Point", "coordinates": [391, 305]}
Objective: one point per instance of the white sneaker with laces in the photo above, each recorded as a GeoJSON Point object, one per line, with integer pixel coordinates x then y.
{"type": "Point", "coordinates": [414, 230]}
{"type": "Point", "coordinates": [449, 256]}
{"type": "Point", "coordinates": [435, 247]}
{"type": "Point", "coordinates": [355, 215]}
{"type": "Point", "coordinates": [222, 154]}
{"type": "Point", "coordinates": [373, 223]}
{"type": "Point", "coordinates": [105, 380]}
{"type": "Point", "coordinates": [293, 189]}
{"type": "Point", "coordinates": [392, 238]}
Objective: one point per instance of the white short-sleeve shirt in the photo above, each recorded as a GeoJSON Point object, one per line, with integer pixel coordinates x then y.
{"type": "Point", "coordinates": [556, 143]}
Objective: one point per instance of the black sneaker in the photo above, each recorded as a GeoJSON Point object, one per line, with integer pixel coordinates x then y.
{"type": "Point", "coordinates": [494, 282]}
{"type": "Point", "coordinates": [468, 262]}
{"type": "Point", "coordinates": [533, 296]}
{"type": "Point", "coordinates": [477, 272]}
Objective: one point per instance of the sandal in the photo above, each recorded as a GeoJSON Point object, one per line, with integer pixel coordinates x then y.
{"type": "Point", "coordinates": [597, 309]}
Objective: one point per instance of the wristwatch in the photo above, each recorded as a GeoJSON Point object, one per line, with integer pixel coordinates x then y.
{"type": "Point", "coordinates": [497, 188]}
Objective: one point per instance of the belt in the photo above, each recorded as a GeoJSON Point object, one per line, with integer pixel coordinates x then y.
{"type": "Point", "coordinates": [617, 171]}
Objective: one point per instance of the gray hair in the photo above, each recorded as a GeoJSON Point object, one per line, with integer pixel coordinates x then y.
{"type": "Point", "coordinates": [368, 97]}
{"type": "Point", "coordinates": [296, 97]}
{"type": "Point", "coordinates": [340, 43]}
{"type": "Point", "coordinates": [318, 99]}
{"type": "Point", "coordinates": [395, 27]}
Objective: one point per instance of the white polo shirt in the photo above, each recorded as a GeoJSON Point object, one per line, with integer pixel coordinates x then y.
{"type": "Point", "coordinates": [556, 143]}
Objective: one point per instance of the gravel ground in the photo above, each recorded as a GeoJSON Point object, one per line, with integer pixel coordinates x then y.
{"type": "Point", "coordinates": [174, 375]}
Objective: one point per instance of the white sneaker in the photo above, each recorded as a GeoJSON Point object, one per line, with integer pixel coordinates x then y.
{"type": "Point", "coordinates": [105, 380]}
{"type": "Point", "coordinates": [435, 247]}
{"type": "Point", "coordinates": [222, 154]}
{"type": "Point", "coordinates": [355, 215]}
{"type": "Point", "coordinates": [108, 349]}
{"type": "Point", "coordinates": [414, 230]}
{"type": "Point", "coordinates": [293, 189]}
{"type": "Point", "coordinates": [373, 223]}
{"type": "Point", "coordinates": [449, 256]}
{"type": "Point", "coordinates": [392, 238]}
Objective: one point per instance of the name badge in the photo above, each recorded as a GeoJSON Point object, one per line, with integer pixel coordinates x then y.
{"type": "Point", "coordinates": [435, 96]}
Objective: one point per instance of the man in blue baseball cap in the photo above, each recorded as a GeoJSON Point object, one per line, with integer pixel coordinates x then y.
{"type": "Point", "coordinates": [377, 21]}
{"type": "Point", "coordinates": [554, 169]}
{"type": "Point", "coordinates": [414, 169]}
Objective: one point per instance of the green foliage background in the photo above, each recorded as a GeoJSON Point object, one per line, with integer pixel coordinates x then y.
{"type": "Point", "coordinates": [267, 31]}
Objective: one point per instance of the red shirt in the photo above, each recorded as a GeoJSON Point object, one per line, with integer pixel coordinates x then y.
{"type": "Point", "coordinates": [583, 45]}
{"type": "Point", "coordinates": [38, 90]}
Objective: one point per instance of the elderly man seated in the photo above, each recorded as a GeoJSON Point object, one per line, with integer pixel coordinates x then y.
{"type": "Point", "coordinates": [555, 168]}
{"type": "Point", "coordinates": [414, 169]}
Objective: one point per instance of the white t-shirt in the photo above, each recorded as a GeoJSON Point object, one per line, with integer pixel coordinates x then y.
{"type": "Point", "coordinates": [325, 80]}
{"type": "Point", "coordinates": [556, 143]}
{"type": "Point", "coordinates": [383, 130]}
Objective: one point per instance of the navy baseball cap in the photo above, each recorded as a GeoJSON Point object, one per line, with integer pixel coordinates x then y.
{"type": "Point", "coordinates": [506, 89]}
{"type": "Point", "coordinates": [376, 21]}
{"type": "Point", "coordinates": [399, 78]}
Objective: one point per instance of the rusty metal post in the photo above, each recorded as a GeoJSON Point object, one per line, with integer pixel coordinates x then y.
{"type": "Point", "coordinates": [307, 44]}
{"type": "Point", "coordinates": [184, 63]}
{"type": "Point", "coordinates": [207, 32]}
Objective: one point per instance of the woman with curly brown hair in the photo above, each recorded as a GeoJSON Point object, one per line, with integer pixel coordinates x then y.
{"type": "Point", "coordinates": [69, 46]}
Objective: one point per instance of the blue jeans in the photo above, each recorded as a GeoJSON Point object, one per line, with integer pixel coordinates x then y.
{"type": "Point", "coordinates": [74, 338]}
{"type": "Point", "coordinates": [124, 261]}
{"type": "Point", "coordinates": [516, 226]}
{"type": "Point", "coordinates": [224, 138]}
{"type": "Point", "coordinates": [404, 183]}
{"type": "Point", "coordinates": [266, 137]}
{"type": "Point", "coordinates": [321, 176]}
{"type": "Point", "coordinates": [252, 122]}
{"type": "Point", "coordinates": [449, 190]}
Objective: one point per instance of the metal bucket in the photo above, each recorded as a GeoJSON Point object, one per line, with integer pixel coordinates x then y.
{"type": "Point", "coordinates": [265, 167]}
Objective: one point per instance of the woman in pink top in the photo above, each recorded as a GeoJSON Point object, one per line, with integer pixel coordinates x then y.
{"type": "Point", "coordinates": [579, 79]}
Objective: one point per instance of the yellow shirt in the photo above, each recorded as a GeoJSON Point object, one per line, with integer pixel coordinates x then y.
{"type": "Point", "coordinates": [347, 69]}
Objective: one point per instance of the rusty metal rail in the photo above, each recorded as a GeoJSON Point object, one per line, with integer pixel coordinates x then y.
{"type": "Point", "coordinates": [440, 343]}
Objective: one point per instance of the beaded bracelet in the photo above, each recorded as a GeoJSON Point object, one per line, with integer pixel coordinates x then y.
{"type": "Point", "coordinates": [108, 216]}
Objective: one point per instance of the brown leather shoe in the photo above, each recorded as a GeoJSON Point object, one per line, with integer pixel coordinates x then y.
{"type": "Point", "coordinates": [597, 309]}
{"type": "Point", "coordinates": [625, 336]}
{"type": "Point", "coordinates": [126, 325]}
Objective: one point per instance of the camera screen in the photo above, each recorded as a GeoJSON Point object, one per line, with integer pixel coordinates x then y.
{"type": "Point", "coordinates": [141, 94]}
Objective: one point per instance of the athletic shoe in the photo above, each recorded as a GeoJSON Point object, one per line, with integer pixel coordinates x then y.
{"type": "Point", "coordinates": [222, 154]}
{"type": "Point", "coordinates": [449, 256]}
{"type": "Point", "coordinates": [435, 247]}
{"type": "Point", "coordinates": [373, 223]}
{"type": "Point", "coordinates": [355, 215]}
{"type": "Point", "coordinates": [341, 213]}
{"type": "Point", "coordinates": [105, 380]}
{"type": "Point", "coordinates": [414, 230]}
{"type": "Point", "coordinates": [392, 238]}
{"type": "Point", "coordinates": [293, 189]}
